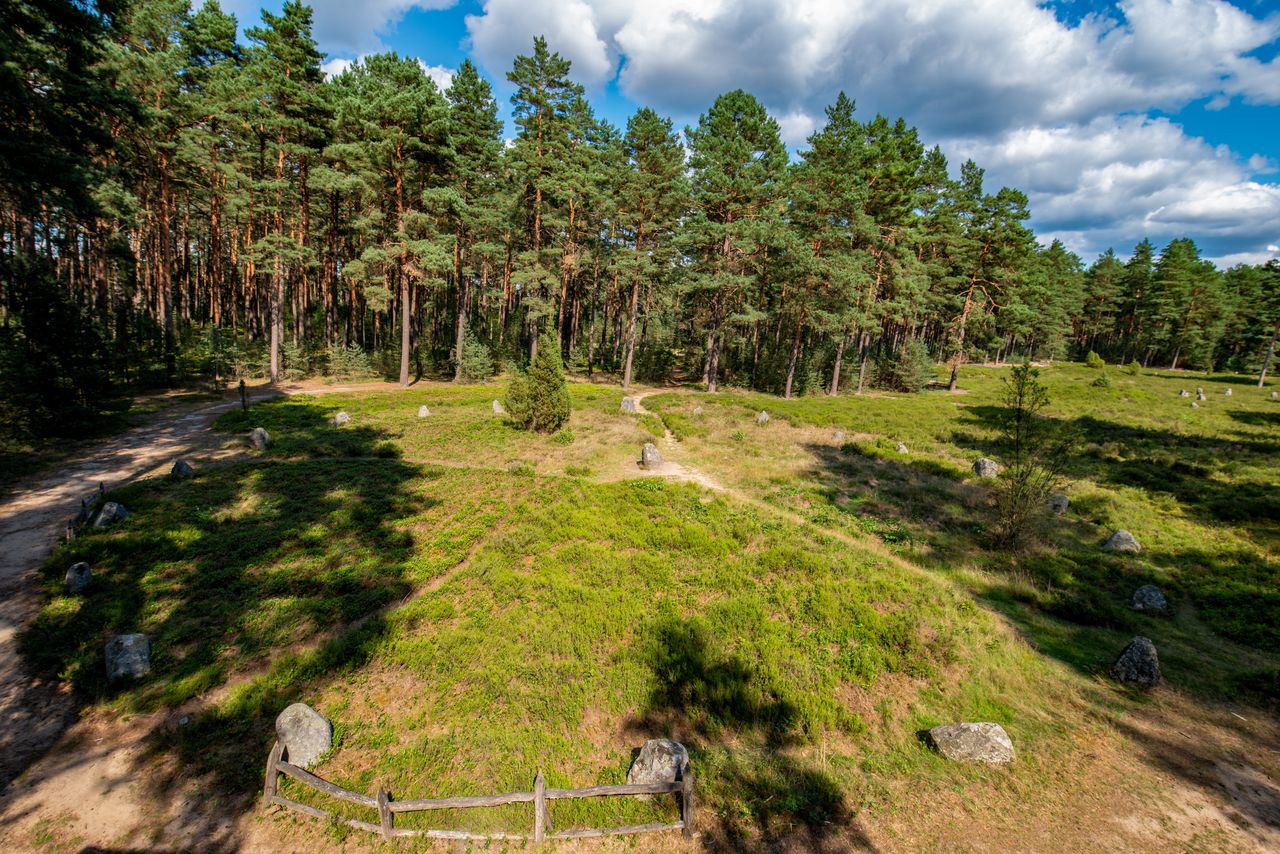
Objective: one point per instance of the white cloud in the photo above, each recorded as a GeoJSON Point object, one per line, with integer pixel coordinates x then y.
{"type": "Point", "coordinates": [341, 26]}
{"type": "Point", "coordinates": [507, 28]}
{"type": "Point", "coordinates": [441, 75]}
{"type": "Point", "coordinates": [335, 66]}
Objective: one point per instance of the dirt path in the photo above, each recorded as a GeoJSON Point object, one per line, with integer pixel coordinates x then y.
{"type": "Point", "coordinates": [671, 469]}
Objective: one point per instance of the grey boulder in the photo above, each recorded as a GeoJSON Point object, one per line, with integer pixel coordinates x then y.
{"type": "Point", "coordinates": [78, 577]}
{"type": "Point", "coordinates": [342, 419]}
{"type": "Point", "coordinates": [973, 742]}
{"type": "Point", "coordinates": [697, 410]}
{"type": "Point", "coordinates": [1274, 395]}
{"type": "Point", "coordinates": [497, 408]}
{"type": "Point", "coordinates": [1200, 394]}
{"type": "Point", "coordinates": [901, 448]}
{"type": "Point", "coordinates": [1122, 541]}
{"type": "Point", "coordinates": [762, 418]}
{"type": "Point", "coordinates": [423, 411]}
{"type": "Point", "coordinates": [649, 456]}
{"type": "Point", "coordinates": [1149, 598]}
{"type": "Point", "coordinates": [305, 734]}
{"type": "Point", "coordinates": [110, 514]}
{"type": "Point", "coordinates": [1227, 392]}
{"type": "Point", "coordinates": [259, 438]}
{"type": "Point", "coordinates": [1138, 663]}
{"type": "Point", "coordinates": [1059, 504]}
{"type": "Point", "coordinates": [837, 436]}
{"type": "Point", "coordinates": [1195, 405]}
{"type": "Point", "coordinates": [1184, 393]}
{"type": "Point", "coordinates": [182, 468]}
{"type": "Point", "coordinates": [128, 657]}
{"type": "Point", "coordinates": [629, 405]}
{"type": "Point", "coordinates": [986, 468]}
{"type": "Point", "coordinates": [661, 760]}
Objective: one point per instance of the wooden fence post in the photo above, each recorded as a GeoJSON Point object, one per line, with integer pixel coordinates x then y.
{"type": "Point", "coordinates": [273, 775]}
{"type": "Point", "coordinates": [686, 802]}
{"type": "Point", "coordinates": [384, 812]}
{"type": "Point", "coordinates": [539, 807]}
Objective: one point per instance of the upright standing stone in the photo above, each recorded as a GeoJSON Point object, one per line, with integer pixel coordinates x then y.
{"type": "Point", "coordinates": [1122, 541]}
{"type": "Point", "coordinates": [1059, 504]}
{"type": "Point", "coordinates": [762, 418]}
{"type": "Point", "coordinates": [305, 734]}
{"type": "Point", "coordinates": [649, 456]}
{"type": "Point", "coordinates": [661, 760]}
{"type": "Point", "coordinates": [1200, 394]}
{"type": "Point", "coordinates": [1138, 663]}
{"type": "Point", "coordinates": [1149, 598]}
{"type": "Point", "coordinates": [128, 657]}
{"type": "Point", "coordinates": [497, 408]}
{"type": "Point", "coordinates": [837, 436]}
{"type": "Point", "coordinates": [78, 577]}
{"type": "Point", "coordinates": [259, 438]}
{"type": "Point", "coordinates": [1227, 392]}
{"type": "Point", "coordinates": [1275, 394]}
{"type": "Point", "coordinates": [342, 419]}
{"type": "Point", "coordinates": [973, 742]}
{"type": "Point", "coordinates": [986, 468]}
{"type": "Point", "coordinates": [110, 514]}
{"type": "Point", "coordinates": [1184, 393]}
{"type": "Point", "coordinates": [182, 468]}
{"type": "Point", "coordinates": [901, 447]}
{"type": "Point", "coordinates": [423, 412]}
{"type": "Point", "coordinates": [629, 405]}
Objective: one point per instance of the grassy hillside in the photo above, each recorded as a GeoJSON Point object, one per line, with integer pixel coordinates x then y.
{"type": "Point", "coordinates": [469, 603]}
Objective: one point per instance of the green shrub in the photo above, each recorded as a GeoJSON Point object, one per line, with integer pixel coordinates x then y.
{"type": "Point", "coordinates": [1093, 360]}
{"type": "Point", "coordinates": [1132, 368]}
{"type": "Point", "coordinates": [349, 362]}
{"type": "Point", "coordinates": [563, 437]}
{"type": "Point", "coordinates": [477, 363]}
{"type": "Point", "coordinates": [1101, 381]}
{"type": "Point", "coordinates": [910, 371]}
{"type": "Point", "coordinates": [538, 399]}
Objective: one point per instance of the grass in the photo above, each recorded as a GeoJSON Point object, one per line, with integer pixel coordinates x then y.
{"type": "Point", "coordinates": [470, 603]}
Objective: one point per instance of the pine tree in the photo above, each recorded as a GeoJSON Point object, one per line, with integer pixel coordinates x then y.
{"type": "Point", "coordinates": [539, 398]}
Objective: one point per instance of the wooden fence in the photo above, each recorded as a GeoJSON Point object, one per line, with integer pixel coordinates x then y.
{"type": "Point", "coordinates": [542, 828]}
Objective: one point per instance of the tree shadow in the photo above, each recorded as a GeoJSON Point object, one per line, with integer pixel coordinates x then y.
{"type": "Point", "coordinates": [738, 726]}
{"type": "Point", "coordinates": [254, 582]}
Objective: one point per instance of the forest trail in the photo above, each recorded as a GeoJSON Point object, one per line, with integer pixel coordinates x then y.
{"type": "Point", "coordinates": [33, 520]}
{"type": "Point", "coordinates": [671, 469]}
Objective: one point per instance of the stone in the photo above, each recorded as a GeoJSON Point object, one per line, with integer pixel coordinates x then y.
{"type": "Point", "coordinates": [128, 657]}
{"type": "Point", "coordinates": [423, 412]}
{"type": "Point", "coordinates": [901, 447]}
{"type": "Point", "coordinates": [1184, 393]}
{"type": "Point", "coordinates": [697, 410]}
{"type": "Point", "coordinates": [110, 514]}
{"type": "Point", "coordinates": [629, 405]}
{"type": "Point", "coordinates": [305, 734]}
{"type": "Point", "coordinates": [182, 468]}
{"type": "Point", "coordinates": [1195, 405]}
{"type": "Point", "coordinates": [78, 577]}
{"type": "Point", "coordinates": [973, 742]}
{"type": "Point", "coordinates": [837, 436]}
{"type": "Point", "coordinates": [661, 760]}
{"type": "Point", "coordinates": [1200, 394]}
{"type": "Point", "coordinates": [1122, 541]}
{"type": "Point", "coordinates": [986, 468]}
{"type": "Point", "coordinates": [342, 419]}
{"type": "Point", "coordinates": [497, 409]}
{"type": "Point", "coordinates": [1275, 394]}
{"type": "Point", "coordinates": [259, 438]}
{"type": "Point", "coordinates": [649, 456]}
{"type": "Point", "coordinates": [1149, 598]}
{"type": "Point", "coordinates": [1227, 392]}
{"type": "Point", "coordinates": [1059, 504]}
{"type": "Point", "coordinates": [1138, 663]}
{"type": "Point", "coordinates": [762, 418]}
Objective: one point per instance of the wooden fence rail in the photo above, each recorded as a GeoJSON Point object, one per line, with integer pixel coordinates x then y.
{"type": "Point", "coordinates": [542, 828]}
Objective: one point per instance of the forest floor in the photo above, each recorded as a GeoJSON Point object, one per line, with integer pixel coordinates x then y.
{"type": "Point", "coordinates": [469, 603]}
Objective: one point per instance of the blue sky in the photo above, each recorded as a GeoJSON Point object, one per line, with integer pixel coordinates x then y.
{"type": "Point", "coordinates": [1142, 118]}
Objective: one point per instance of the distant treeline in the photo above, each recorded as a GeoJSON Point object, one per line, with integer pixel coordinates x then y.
{"type": "Point", "coordinates": [177, 204]}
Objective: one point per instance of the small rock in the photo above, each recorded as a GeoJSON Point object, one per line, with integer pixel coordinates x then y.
{"type": "Point", "coordinates": [259, 438]}
{"type": "Point", "coordinates": [305, 734]}
{"type": "Point", "coordinates": [837, 436]}
{"type": "Point", "coordinates": [184, 720]}
{"type": "Point", "coordinates": [1138, 663]}
{"type": "Point", "coordinates": [649, 456]}
{"type": "Point", "coordinates": [762, 418]}
{"type": "Point", "coordinates": [629, 405]}
{"type": "Point", "coordinates": [1195, 405]}
{"type": "Point", "coordinates": [661, 760]}
{"type": "Point", "coordinates": [1149, 598]}
{"type": "Point", "coordinates": [1122, 541]}
{"type": "Point", "coordinates": [128, 657]}
{"type": "Point", "coordinates": [697, 410]}
{"type": "Point", "coordinates": [1184, 393]}
{"type": "Point", "coordinates": [973, 742]}
{"type": "Point", "coordinates": [78, 577]}
{"type": "Point", "coordinates": [1200, 394]}
{"type": "Point", "coordinates": [497, 409]}
{"type": "Point", "coordinates": [110, 513]}
{"type": "Point", "coordinates": [901, 447]}
{"type": "Point", "coordinates": [342, 419]}
{"type": "Point", "coordinates": [423, 412]}
{"type": "Point", "coordinates": [1059, 504]}
{"type": "Point", "coordinates": [1227, 392]}
{"type": "Point", "coordinates": [986, 468]}
{"type": "Point", "coordinates": [182, 468]}
{"type": "Point", "coordinates": [1275, 394]}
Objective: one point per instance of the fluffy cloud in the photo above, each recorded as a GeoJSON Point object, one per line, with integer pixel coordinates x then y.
{"type": "Point", "coordinates": [342, 27]}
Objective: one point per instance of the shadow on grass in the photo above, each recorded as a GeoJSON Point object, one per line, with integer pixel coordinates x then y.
{"type": "Point", "coordinates": [738, 729]}
{"type": "Point", "coordinates": [268, 575]}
